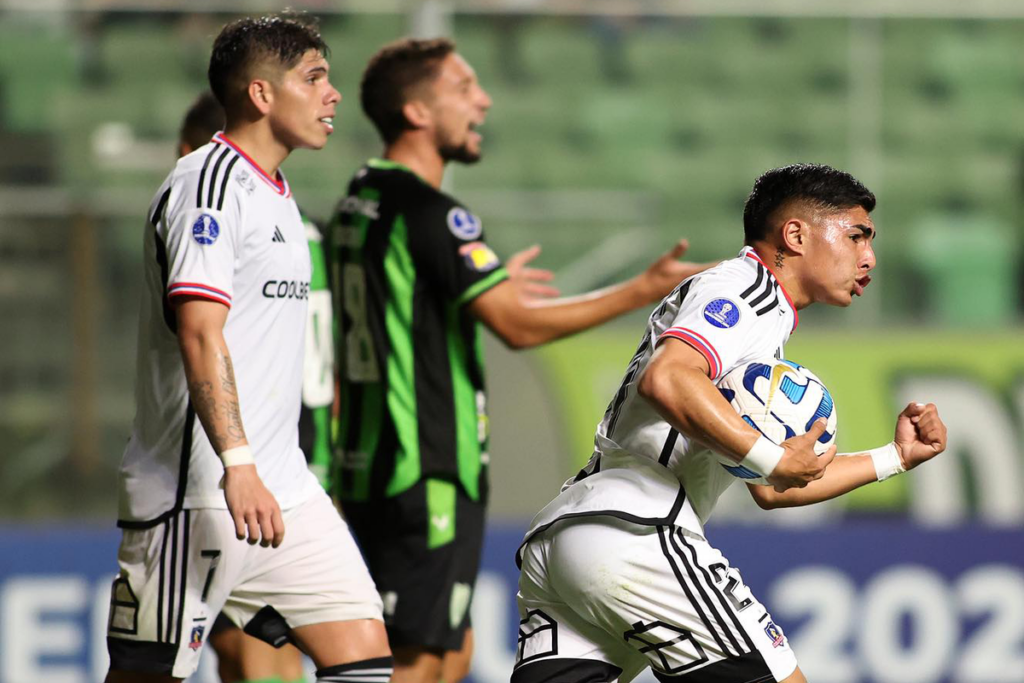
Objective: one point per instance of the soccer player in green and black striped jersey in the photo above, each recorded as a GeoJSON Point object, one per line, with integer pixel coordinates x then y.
{"type": "Point", "coordinates": [413, 279]}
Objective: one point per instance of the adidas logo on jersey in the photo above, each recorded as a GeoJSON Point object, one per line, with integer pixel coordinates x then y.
{"type": "Point", "coordinates": [278, 237]}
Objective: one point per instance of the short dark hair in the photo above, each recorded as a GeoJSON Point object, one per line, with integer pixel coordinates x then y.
{"type": "Point", "coordinates": [392, 73]}
{"type": "Point", "coordinates": [822, 187]}
{"type": "Point", "coordinates": [242, 44]}
{"type": "Point", "coordinates": [204, 118]}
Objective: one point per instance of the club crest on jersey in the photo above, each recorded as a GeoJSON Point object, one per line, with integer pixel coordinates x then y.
{"type": "Point", "coordinates": [479, 256]}
{"type": "Point", "coordinates": [463, 224]}
{"type": "Point", "coordinates": [722, 313]}
{"type": "Point", "coordinates": [195, 641]}
{"type": "Point", "coordinates": [205, 230]}
{"type": "Point", "coordinates": [775, 634]}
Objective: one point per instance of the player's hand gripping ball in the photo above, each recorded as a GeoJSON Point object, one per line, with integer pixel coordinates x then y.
{"type": "Point", "coordinates": [780, 399]}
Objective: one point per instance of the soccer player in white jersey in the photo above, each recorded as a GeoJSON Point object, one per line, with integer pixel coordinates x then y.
{"type": "Point", "coordinates": [214, 459]}
{"type": "Point", "coordinates": [617, 573]}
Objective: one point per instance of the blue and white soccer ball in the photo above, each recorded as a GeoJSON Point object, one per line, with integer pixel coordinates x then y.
{"type": "Point", "coordinates": [780, 399]}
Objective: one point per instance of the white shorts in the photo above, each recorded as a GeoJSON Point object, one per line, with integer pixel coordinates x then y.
{"type": "Point", "coordinates": [601, 599]}
{"type": "Point", "coordinates": [177, 576]}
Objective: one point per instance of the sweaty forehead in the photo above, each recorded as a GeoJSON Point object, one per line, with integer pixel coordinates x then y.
{"type": "Point", "coordinates": [854, 218]}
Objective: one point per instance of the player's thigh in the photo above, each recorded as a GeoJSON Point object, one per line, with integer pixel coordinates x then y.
{"type": "Point", "coordinates": [555, 643]}
{"type": "Point", "coordinates": [342, 642]}
{"type": "Point", "coordinates": [173, 578]}
{"type": "Point", "coordinates": [669, 597]}
{"type": "Point", "coordinates": [456, 663]}
{"type": "Point", "coordinates": [423, 549]}
{"type": "Point", "coordinates": [315, 578]}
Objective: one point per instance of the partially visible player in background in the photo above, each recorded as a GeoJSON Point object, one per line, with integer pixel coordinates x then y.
{"type": "Point", "coordinates": [414, 280]}
{"type": "Point", "coordinates": [240, 657]}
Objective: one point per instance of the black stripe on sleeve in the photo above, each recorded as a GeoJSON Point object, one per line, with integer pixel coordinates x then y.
{"type": "Point", "coordinates": [213, 176]}
{"type": "Point", "coordinates": [202, 175]}
{"type": "Point", "coordinates": [757, 282]}
{"type": "Point", "coordinates": [224, 182]}
{"type": "Point", "coordinates": [155, 218]}
{"type": "Point", "coordinates": [714, 587]}
{"type": "Point", "coordinates": [662, 533]}
{"type": "Point", "coordinates": [769, 287]}
{"type": "Point", "coordinates": [691, 572]}
{"type": "Point", "coordinates": [773, 304]}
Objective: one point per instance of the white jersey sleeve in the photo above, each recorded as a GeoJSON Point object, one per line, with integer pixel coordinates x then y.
{"type": "Point", "coordinates": [716, 321]}
{"type": "Point", "coordinates": [202, 243]}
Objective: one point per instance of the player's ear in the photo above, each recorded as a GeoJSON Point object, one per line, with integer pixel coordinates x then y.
{"type": "Point", "coordinates": [794, 234]}
{"type": "Point", "coordinates": [261, 95]}
{"type": "Point", "coordinates": [417, 113]}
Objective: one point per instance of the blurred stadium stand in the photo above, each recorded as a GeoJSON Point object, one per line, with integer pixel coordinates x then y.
{"type": "Point", "coordinates": [609, 137]}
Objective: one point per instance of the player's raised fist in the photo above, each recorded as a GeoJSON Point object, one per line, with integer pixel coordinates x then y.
{"type": "Point", "coordinates": [920, 434]}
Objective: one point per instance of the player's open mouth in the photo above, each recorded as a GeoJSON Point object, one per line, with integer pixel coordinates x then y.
{"type": "Point", "coordinates": [860, 283]}
{"type": "Point", "coordinates": [473, 129]}
{"type": "Point", "coordinates": [328, 122]}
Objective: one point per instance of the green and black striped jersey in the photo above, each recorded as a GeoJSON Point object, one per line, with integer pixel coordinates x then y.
{"type": "Point", "coordinates": [405, 259]}
{"type": "Point", "coordinates": [318, 367]}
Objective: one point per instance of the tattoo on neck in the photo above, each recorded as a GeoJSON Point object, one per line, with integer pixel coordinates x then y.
{"type": "Point", "coordinates": [779, 256]}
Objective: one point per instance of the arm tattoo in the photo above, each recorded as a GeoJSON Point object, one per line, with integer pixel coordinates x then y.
{"type": "Point", "coordinates": [218, 410]}
{"type": "Point", "coordinates": [236, 432]}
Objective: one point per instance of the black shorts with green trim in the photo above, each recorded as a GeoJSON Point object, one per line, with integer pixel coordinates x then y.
{"type": "Point", "coordinates": [422, 548]}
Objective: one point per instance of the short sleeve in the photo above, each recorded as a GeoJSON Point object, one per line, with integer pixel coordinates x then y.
{"type": "Point", "coordinates": [448, 246]}
{"type": "Point", "coordinates": [201, 247]}
{"type": "Point", "coordinates": [717, 322]}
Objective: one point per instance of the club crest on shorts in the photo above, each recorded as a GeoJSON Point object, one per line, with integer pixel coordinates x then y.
{"type": "Point", "coordinates": [479, 256]}
{"type": "Point", "coordinates": [722, 313]}
{"type": "Point", "coordinates": [195, 641]}
{"type": "Point", "coordinates": [775, 634]}
{"type": "Point", "coordinates": [205, 230]}
{"type": "Point", "coordinates": [463, 224]}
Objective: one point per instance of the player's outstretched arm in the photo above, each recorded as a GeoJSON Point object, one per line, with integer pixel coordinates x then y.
{"type": "Point", "coordinates": [677, 385]}
{"type": "Point", "coordinates": [524, 324]}
{"type": "Point", "coordinates": [920, 436]}
{"type": "Point", "coordinates": [211, 386]}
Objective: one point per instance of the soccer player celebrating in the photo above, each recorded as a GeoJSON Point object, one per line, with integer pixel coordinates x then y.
{"type": "Point", "coordinates": [616, 572]}
{"type": "Point", "coordinates": [415, 279]}
{"type": "Point", "coordinates": [214, 458]}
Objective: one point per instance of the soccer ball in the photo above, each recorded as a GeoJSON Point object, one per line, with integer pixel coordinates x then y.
{"type": "Point", "coordinates": [780, 399]}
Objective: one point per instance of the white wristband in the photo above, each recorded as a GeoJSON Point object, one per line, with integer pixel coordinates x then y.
{"type": "Point", "coordinates": [763, 456]}
{"type": "Point", "coordinates": [886, 461]}
{"type": "Point", "coordinates": [241, 455]}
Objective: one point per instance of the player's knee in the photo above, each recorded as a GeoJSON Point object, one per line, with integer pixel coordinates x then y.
{"type": "Point", "coordinates": [376, 670]}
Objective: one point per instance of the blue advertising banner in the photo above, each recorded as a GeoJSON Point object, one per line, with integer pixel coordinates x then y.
{"type": "Point", "coordinates": [859, 601]}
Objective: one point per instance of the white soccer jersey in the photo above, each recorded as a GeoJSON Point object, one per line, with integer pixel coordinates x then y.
{"type": "Point", "coordinates": [222, 229]}
{"type": "Point", "coordinates": [732, 314]}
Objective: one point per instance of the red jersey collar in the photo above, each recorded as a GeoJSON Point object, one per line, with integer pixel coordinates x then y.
{"type": "Point", "coordinates": [280, 184]}
{"type": "Point", "coordinates": [749, 252]}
